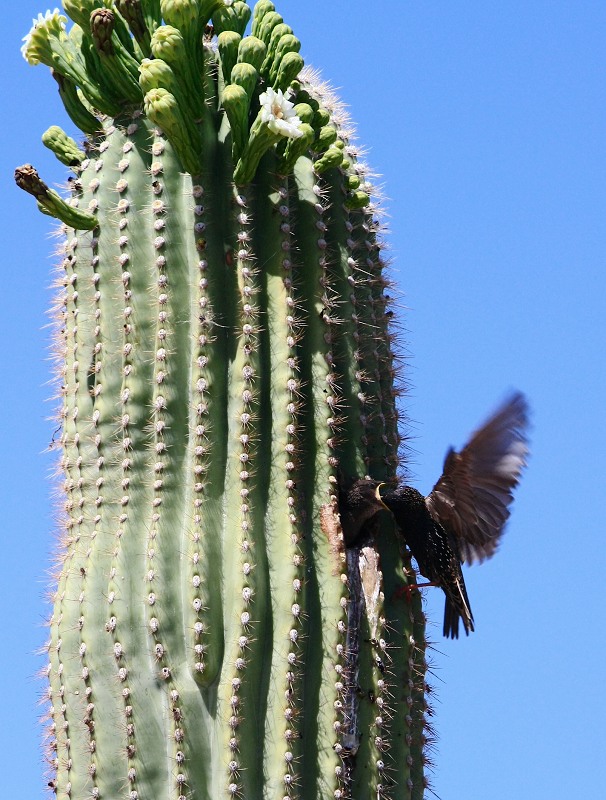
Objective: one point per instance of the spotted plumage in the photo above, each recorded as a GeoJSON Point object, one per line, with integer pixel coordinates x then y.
{"type": "Point", "coordinates": [436, 553]}
{"type": "Point", "coordinates": [463, 518]}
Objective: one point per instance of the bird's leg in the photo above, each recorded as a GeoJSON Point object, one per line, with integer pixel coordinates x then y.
{"type": "Point", "coordinates": [405, 591]}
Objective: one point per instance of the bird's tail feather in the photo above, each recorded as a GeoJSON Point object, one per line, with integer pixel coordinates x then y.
{"type": "Point", "coordinates": [453, 612]}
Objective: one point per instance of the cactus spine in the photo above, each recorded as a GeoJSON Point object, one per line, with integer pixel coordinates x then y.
{"type": "Point", "coordinates": [225, 362]}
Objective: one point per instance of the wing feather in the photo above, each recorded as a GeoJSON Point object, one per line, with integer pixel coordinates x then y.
{"type": "Point", "coordinates": [473, 495]}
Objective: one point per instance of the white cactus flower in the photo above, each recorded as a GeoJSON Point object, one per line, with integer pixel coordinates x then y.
{"type": "Point", "coordinates": [49, 20]}
{"type": "Point", "coordinates": [278, 114]}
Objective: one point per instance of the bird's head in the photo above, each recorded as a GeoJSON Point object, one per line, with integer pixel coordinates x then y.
{"type": "Point", "coordinates": [365, 494]}
{"type": "Point", "coordinates": [404, 500]}
{"type": "Point", "coordinates": [357, 506]}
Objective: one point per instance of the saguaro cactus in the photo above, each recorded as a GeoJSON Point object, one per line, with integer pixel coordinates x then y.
{"type": "Point", "coordinates": [225, 366]}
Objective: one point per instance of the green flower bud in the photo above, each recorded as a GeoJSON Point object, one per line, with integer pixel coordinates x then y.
{"type": "Point", "coordinates": [286, 44]}
{"type": "Point", "coordinates": [262, 8]}
{"type": "Point", "coordinates": [63, 146]}
{"type": "Point", "coordinates": [167, 43]}
{"type": "Point", "coordinates": [357, 200]}
{"type": "Point", "coordinates": [280, 30]}
{"type": "Point", "coordinates": [236, 103]}
{"type": "Point", "coordinates": [154, 73]}
{"type": "Point", "coordinates": [246, 76]}
{"type": "Point", "coordinates": [325, 137]}
{"type": "Point", "coordinates": [189, 16]}
{"type": "Point", "coordinates": [321, 118]}
{"type": "Point", "coordinates": [304, 97]}
{"type": "Point", "coordinates": [163, 108]}
{"type": "Point", "coordinates": [290, 66]}
{"type": "Point", "coordinates": [305, 112]}
{"type": "Point", "coordinates": [333, 157]}
{"type": "Point", "coordinates": [228, 42]}
{"type": "Point", "coordinates": [268, 23]}
{"type": "Point", "coordinates": [252, 51]}
{"type": "Point", "coordinates": [181, 14]}
{"type": "Point", "coordinates": [232, 18]}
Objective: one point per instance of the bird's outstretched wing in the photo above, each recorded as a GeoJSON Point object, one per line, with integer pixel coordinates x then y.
{"type": "Point", "coordinates": [472, 497]}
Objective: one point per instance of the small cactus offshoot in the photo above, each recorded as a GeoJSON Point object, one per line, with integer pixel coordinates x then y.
{"type": "Point", "coordinates": [226, 366]}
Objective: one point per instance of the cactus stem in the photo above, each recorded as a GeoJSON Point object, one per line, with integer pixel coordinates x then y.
{"type": "Point", "coordinates": [224, 362]}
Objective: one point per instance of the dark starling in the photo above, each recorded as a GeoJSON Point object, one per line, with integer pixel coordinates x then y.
{"type": "Point", "coordinates": [463, 518]}
{"type": "Point", "coordinates": [356, 507]}
{"type": "Point", "coordinates": [436, 553]}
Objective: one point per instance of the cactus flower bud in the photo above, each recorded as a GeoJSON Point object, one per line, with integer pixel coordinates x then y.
{"type": "Point", "coordinates": [102, 22]}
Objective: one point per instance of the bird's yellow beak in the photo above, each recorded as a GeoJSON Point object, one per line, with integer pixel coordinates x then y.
{"type": "Point", "coordinates": [378, 495]}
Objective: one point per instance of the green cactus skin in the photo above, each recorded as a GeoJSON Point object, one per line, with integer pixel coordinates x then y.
{"type": "Point", "coordinates": [226, 360]}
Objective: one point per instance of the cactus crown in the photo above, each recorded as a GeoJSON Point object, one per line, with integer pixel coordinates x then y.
{"type": "Point", "coordinates": [226, 366]}
{"type": "Point", "coordinates": [189, 76]}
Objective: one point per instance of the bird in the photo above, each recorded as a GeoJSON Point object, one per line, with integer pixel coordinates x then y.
{"type": "Point", "coordinates": [463, 518]}
{"type": "Point", "coordinates": [436, 552]}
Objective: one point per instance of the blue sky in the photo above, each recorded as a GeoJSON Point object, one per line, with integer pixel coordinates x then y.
{"type": "Point", "coordinates": [487, 123]}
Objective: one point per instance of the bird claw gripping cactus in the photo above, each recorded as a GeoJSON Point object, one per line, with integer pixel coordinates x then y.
{"type": "Point", "coordinates": [225, 362]}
